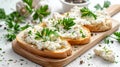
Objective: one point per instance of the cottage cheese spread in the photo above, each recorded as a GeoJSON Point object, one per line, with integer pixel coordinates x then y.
{"type": "Point", "coordinates": [102, 15]}
{"type": "Point", "coordinates": [75, 32]}
{"type": "Point", "coordinates": [54, 43]}
{"type": "Point", "coordinates": [105, 53]}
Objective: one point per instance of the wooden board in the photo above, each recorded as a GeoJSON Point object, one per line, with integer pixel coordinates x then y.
{"type": "Point", "coordinates": [77, 50]}
{"type": "Point", "coordinates": [114, 9]}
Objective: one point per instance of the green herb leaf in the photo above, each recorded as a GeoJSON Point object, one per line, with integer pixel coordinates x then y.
{"type": "Point", "coordinates": [117, 34]}
{"type": "Point", "coordinates": [29, 5]}
{"type": "Point", "coordinates": [106, 4]}
{"type": "Point", "coordinates": [10, 36]}
{"type": "Point", "coordinates": [83, 35]}
{"type": "Point", "coordinates": [98, 7]}
{"type": "Point", "coordinates": [45, 34]}
{"type": "Point", "coordinates": [41, 13]}
{"type": "Point", "coordinates": [35, 16]}
{"type": "Point", "coordinates": [30, 32]}
{"type": "Point", "coordinates": [38, 35]}
{"type": "Point", "coordinates": [28, 2]}
{"type": "Point", "coordinates": [9, 24]}
{"type": "Point", "coordinates": [67, 23]}
{"type": "Point", "coordinates": [2, 14]}
{"type": "Point", "coordinates": [0, 48]}
{"type": "Point", "coordinates": [106, 40]}
{"type": "Point", "coordinates": [25, 27]}
{"type": "Point", "coordinates": [86, 12]}
{"type": "Point", "coordinates": [16, 27]}
{"type": "Point", "coordinates": [14, 17]}
{"type": "Point", "coordinates": [29, 9]}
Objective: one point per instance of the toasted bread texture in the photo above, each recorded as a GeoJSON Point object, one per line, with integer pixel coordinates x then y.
{"type": "Point", "coordinates": [60, 53]}
{"type": "Point", "coordinates": [100, 24]}
{"type": "Point", "coordinates": [100, 27]}
{"type": "Point", "coordinates": [80, 41]}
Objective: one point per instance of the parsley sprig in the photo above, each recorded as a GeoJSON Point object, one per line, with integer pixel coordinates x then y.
{"type": "Point", "coordinates": [13, 26]}
{"type": "Point", "coordinates": [117, 37]}
{"type": "Point", "coordinates": [11, 36]}
{"type": "Point", "coordinates": [67, 23]}
{"type": "Point", "coordinates": [41, 13]}
{"type": "Point", "coordinates": [14, 17]}
{"type": "Point", "coordinates": [86, 12]}
{"type": "Point", "coordinates": [105, 5]}
{"type": "Point", "coordinates": [2, 13]}
{"type": "Point", "coordinates": [45, 34]}
{"type": "Point", "coordinates": [13, 29]}
{"type": "Point", "coordinates": [29, 5]}
{"type": "Point", "coordinates": [117, 34]}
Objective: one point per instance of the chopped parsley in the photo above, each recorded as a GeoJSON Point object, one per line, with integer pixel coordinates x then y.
{"type": "Point", "coordinates": [10, 36]}
{"type": "Point", "coordinates": [87, 13]}
{"type": "Point", "coordinates": [10, 60]}
{"type": "Point", "coordinates": [2, 14]}
{"type": "Point", "coordinates": [29, 5]}
{"type": "Point", "coordinates": [117, 34]}
{"type": "Point", "coordinates": [83, 35]}
{"type": "Point", "coordinates": [41, 13]}
{"type": "Point", "coordinates": [13, 29]}
{"type": "Point", "coordinates": [0, 48]}
{"type": "Point", "coordinates": [25, 27]}
{"type": "Point", "coordinates": [98, 6]}
{"type": "Point", "coordinates": [105, 5]}
{"type": "Point", "coordinates": [67, 23]}
{"type": "Point", "coordinates": [13, 19]}
{"type": "Point", "coordinates": [45, 34]}
{"type": "Point", "coordinates": [38, 35]}
{"type": "Point", "coordinates": [106, 40]}
{"type": "Point", "coordinates": [30, 32]}
{"type": "Point", "coordinates": [106, 50]}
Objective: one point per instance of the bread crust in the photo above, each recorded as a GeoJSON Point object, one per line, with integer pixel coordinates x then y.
{"type": "Point", "coordinates": [80, 41]}
{"type": "Point", "coordinates": [100, 27]}
{"type": "Point", "coordinates": [44, 53]}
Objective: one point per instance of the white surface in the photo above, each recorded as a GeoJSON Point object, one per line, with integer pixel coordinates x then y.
{"type": "Point", "coordinates": [95, 61]}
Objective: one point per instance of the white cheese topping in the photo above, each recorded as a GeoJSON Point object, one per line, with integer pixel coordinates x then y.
{"type": "Point", "coordinates": [73, 33]}
{"type": "Point", "coordinates": [53, 44]}
{"type": "Point", "coordinates": [105, 53]}
{"type": "Point", "coordinates": [102, 15]}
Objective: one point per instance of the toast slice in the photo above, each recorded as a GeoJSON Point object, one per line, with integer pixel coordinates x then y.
{"type": "Point", "coordinates": [80, 40]}
{"type": "Point", "coordinates": [100, 27]}
{"type": "Point", "coordinates": [101, 23]}
{"type": "Point", "coordinates": [63, 52]}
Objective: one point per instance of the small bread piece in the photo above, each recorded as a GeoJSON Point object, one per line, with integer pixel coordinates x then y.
{"type": "Point", "coordinates": [80, 41]}
{"type": "Point", "coordinates": [100, 27]}
{"type": "Point", "coordinates": [100, 24]}
{"type": "Point", "coordinates": [60, 53]}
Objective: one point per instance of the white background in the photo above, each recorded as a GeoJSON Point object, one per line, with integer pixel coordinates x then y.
{"type": "Point", "coordinates": [95, 61]}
